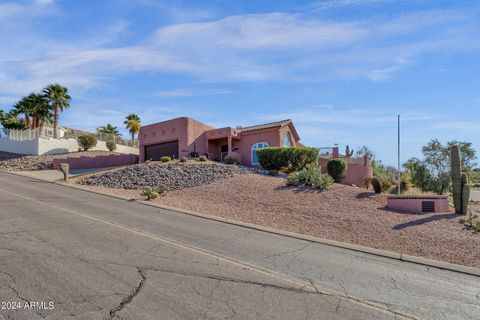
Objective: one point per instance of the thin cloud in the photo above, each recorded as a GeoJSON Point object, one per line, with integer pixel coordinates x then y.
{"type": "Point", "coordinates": [332, 4]}
{"type": "Point", "coordinates": [251, 47]}
{"type": "Point", "coordinates": [193, 92]}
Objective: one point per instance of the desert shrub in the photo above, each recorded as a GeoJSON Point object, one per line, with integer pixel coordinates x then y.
{"type": "Point", "coordinates": [387, 175]}
{"type": "Point", "coordinates": [310, 176]}
{"type": "Point", "coordinates": [294, 158]}
{"type": "Point", "coordinates": [202, 158]}
{"type": "Point", "coordinates": [471, 221]}
{"type": "Point", "coordinates": [405, 181]}
{"type": "Point", "coordinates": [337, 169]}
{"type": "Point", "coordinates": [272, 158]}
{"type": "Point", "coordinates": [376, 184]}
{"type": "Point", "coordinates": [299, 158]}
{"type": "Point", "coordinates": [111, 146]}
{"type": "Point", "coordinates": [183, 159]}
{"type": "Point", "coordinates": [165, 159]}
{"type": "Point", "coordinates": [150, 193]}
{"type": "Point", "coordinates": [86, 141]}
{"type": "Point", "coordinates": [231, 160]}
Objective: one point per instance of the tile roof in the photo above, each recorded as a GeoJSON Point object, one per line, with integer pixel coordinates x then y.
{"type": "Point", "coordinates": [265, 125]}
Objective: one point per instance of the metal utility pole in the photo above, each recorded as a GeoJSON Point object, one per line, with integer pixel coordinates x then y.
{"type": "Point", "coordinates": [398, 153]}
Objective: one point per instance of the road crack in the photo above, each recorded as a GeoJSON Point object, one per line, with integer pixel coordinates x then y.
{"type": "Point", "coordinates": [131, 296]}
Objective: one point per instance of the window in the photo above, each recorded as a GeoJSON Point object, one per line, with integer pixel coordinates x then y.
{"type": "Point", "coordinates": [255, 147]}
{"type": "Point", "coordinates": [286, 140]}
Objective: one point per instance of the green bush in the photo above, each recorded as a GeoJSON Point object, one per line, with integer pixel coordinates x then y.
{"type": "Point", "coordinates": [310, 176]}
{"type": "Point", "coordinates": [202, 158]}
{"type": "Point", "coordinates": [337, 169]}
{"type": "Point", "coordinates": [87, 142]}
{"type": "Point", "coordinates": [231, 160]}
{"type": "Point", "coordinates": [111, 146]}
{"type": "Point", "coordinates": [294, 158]}
{"type": "Point", "coordinates": [165, 159]}
{"type": "Point", "coordinates": [376, 184]}
{"type": "Point", "coordinates": [273, 158]}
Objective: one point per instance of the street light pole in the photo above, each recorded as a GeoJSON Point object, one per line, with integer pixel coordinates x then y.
{"type": "Point", "coordinates": [398, 154]}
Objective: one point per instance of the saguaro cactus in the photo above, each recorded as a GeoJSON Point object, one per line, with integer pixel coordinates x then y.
{"type": "Point", "coordinates": [460, 186]}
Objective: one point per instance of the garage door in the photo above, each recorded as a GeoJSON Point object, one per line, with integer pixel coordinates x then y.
{"type": "Point", "coordinates": [156, 151]}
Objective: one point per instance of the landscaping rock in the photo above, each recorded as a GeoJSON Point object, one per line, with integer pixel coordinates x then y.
{"type": "Point", "coordinates": [169, 176]}
{"type": "Point", "coordinates": [19, 162]}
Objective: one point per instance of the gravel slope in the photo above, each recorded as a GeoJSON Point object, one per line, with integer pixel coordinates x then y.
{"type": "Point", "coordinates": [18, 162]}
{"type": "Point", "coordinates": [169, 176]}
{"type": "Point", "coordinates": [341, 213]}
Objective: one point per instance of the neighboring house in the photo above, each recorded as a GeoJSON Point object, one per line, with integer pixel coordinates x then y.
{"type": "Point", "coordinates": [181, 136]}
{"type": "Point", "coordinates": [40, 141]}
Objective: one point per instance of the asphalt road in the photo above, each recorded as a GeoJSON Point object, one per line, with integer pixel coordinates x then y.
{"type": "Point", "coordinates": [77, 255]}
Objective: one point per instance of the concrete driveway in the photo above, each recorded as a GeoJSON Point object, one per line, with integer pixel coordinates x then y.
{"type": "Point", "coordinates": [78, 255]}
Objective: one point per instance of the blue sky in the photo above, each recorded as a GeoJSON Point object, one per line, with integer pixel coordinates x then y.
{"type": "Point", "coordinates": [341, 69]}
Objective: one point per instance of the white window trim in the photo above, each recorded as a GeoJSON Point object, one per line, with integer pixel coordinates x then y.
{"type": "Point", "coordinates": [289, 139]}
{"type": "Point", "coordinates": [251, 150]}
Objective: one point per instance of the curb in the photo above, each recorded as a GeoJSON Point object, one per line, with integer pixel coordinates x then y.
{"type": "Point", "coordinates": [343, 245]}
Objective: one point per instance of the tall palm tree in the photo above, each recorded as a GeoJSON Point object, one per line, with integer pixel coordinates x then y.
{"type": "Point", "coordinates": [59, 100]}
{"type": "Point", "coordinates": [133, 127]}
{"type": "Point", "coordinates": [132, 123]}
{"type": "Point", "coordinates": [109, 129]}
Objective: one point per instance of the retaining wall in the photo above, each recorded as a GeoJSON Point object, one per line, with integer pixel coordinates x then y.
{"type": "Point", "coordinates": [41, 146]}
{"type": "Point", "coordinates": [113, 160]}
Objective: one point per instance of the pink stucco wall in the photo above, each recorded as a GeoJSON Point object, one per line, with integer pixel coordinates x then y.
{"type": "Point", "coordinates": [274, 138]}
{"type": "Point", "coordinates": [357, 171]}
{"type": "Point", "coordinates": [189, 133]}
{"type": "Point", "coordinates": [97, 161]}
{"type": "Point", "coordinates": [413, 204]}
{"type": "Point", "coordinates": [209, 140]}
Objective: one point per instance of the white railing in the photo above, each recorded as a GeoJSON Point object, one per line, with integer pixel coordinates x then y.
{"type": "Point", "coordinates": [48, 132]}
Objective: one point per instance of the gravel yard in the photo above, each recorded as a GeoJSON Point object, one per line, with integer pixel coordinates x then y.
{"type": "Point", "coordinates": [171, 176]}
{"type": "Point", "coordinates": [19, 162]}
{"type": "Point", "coordinates": [341, 213]}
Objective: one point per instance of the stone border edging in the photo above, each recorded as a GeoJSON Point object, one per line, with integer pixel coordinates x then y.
{"type": "Point", "coordinates": [343, 245]}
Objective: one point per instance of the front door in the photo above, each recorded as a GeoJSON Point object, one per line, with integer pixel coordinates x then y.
{"type": "Point", "coordinates": [223, 151]}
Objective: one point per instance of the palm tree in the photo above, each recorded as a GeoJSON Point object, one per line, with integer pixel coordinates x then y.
{"type": "Point", "coordinates": [10, 120]}
{"type": "Point", "coordinates": [59, 100]}
{"type": "Point", "coordinates": [37, 104]}
{"type": "Point", "coordinates": [131, 116]}
{"type": "Point", "coordinates": [109, 129]}
{"type": "Point", "coordinates": [132, 123]}
{"type": "Point", "coordinates": [133, 127]}
{"type": "Point", "coordinates": [23, 107]}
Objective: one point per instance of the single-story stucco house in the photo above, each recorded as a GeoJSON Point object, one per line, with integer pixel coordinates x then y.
{"type": "Point", "coordinates": [181, 136]}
